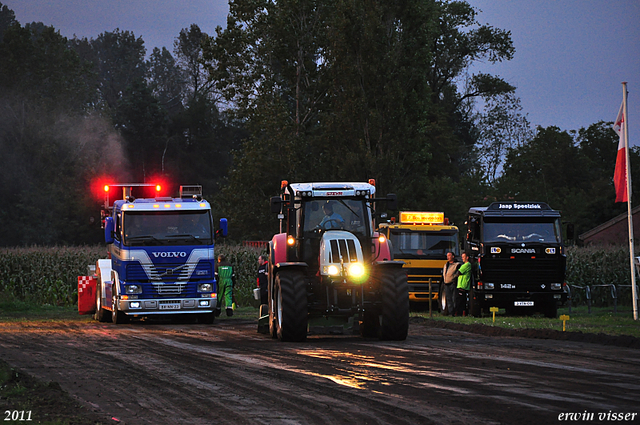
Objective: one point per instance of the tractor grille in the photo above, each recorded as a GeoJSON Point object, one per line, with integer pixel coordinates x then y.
{"type": "Point", "coordinates": [345, 248]}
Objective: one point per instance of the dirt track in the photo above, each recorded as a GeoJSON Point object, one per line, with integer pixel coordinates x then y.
{"type": "Point", "coordinates": [144, 373]}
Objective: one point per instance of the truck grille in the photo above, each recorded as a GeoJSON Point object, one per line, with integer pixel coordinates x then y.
{"type": "Point", "coordinates": [525, 270]}
{"type": "Point", "coordinates": [168, 288]}
{"type": "Point", "coordinates": [167, 272]}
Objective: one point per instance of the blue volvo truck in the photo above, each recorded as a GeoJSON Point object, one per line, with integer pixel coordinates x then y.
{"type": "Point", "coordinates": [161, 256]}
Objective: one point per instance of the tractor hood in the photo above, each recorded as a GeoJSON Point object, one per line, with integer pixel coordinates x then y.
{"type": "Point", "coordinates": [342, 250]}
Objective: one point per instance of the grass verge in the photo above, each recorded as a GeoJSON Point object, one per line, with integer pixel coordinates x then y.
{"type": "Point", "coordinates": [599, 321]}
{"type": "Point", "coordinates": [12, 310]}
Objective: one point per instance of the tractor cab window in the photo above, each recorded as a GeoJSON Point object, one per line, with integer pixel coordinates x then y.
{"type": "Point", "coordinates": [343, 214]}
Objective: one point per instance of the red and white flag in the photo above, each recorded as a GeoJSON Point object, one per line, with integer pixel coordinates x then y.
{"type": "Point", "coordinates": [620, 175]}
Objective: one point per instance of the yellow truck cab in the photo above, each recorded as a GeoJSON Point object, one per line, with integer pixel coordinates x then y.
{"type": "Point", "coordinates": [422, 240]}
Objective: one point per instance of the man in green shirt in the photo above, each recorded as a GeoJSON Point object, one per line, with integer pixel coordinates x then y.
{"type": "Point", "coordinates": [226, 280]}
{"type": "Point", "coordinates": [464, 285]}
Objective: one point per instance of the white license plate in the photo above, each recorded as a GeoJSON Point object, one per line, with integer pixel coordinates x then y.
{"type": "Point", "coordinates": [523, 303]}
{"type": "Point", "coordinates": [170, 306]}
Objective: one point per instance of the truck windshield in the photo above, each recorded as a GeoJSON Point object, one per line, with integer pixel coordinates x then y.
{"type": "Point", "coordinates": [519, 230]}
{"type": "Point", "coordinates": [419, 244]}
{"type": "Point", "coordinates": [347, 214]}
{"type": "Point", "coordinates": [167, 228]}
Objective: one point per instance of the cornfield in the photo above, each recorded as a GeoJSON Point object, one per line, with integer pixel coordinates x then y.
{"type": "Point", "coordinates": [245, 265]}
{"type": "Point", "coordinates": [48, 275]}
{"type": "Point", "coordinates": [599, 268]}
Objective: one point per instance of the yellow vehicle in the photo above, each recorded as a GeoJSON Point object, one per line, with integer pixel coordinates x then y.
{"type": "Point", "coordinates": [422, 240]}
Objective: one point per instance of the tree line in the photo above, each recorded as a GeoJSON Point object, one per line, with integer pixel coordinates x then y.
{"type": "Point", "coordinates": [304, 90]}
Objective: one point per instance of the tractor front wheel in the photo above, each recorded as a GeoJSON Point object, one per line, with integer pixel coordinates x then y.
{"type": "Point", "coordinates": [394, 324]}
{"type": "Point", "coordinates": [290, 305]}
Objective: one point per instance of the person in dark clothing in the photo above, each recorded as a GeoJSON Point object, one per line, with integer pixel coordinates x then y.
{"type": "Point", "coordinates": [262, 279]}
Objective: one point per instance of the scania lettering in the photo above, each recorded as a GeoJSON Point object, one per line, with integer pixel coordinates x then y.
{"type": "Point", "coordinates": [161, 257]}
{"type": "Point", "coordinates": [521, 258]}
{"type": "Point", "coordinates": [421, 240]}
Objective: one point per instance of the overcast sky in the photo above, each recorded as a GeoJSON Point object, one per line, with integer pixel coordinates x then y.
{"type": "Point", "coordinates": [571, 55]}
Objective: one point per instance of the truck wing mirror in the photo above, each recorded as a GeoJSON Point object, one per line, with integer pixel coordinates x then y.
{"type": "Point", "coordinates": [224, 228]}
{"type": "Point", "coordinates": [276, 204]}
{"type": "Point", "coordinates": [570, 231]}
{"type": "Point", "coordinates": [392, 201]}
{"type": "Point", "coordinates": [108, 230]}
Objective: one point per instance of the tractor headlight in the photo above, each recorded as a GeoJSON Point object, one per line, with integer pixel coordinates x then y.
{"type": "Point", "coordinates": [331, 270]}
{"type": "Point", "coordinates": [356, 270]}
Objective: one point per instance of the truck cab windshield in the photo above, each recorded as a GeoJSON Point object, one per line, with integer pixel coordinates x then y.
{"type": "Point", "coordinates": [407, 244]}
{"type": "Point", "coordinates": [167, 228]}
{"type": "Point", "coordinates": [502, 230]}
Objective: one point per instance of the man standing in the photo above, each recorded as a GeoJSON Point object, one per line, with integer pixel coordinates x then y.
{"type": "Point", "coordinates": [450, 284]}
{"type": "Point", "coordinates": [262, 279]}
{"type": "Point", "coordinates": [226, 279]}
{"type": "Point", "coordinates": [464, 285]}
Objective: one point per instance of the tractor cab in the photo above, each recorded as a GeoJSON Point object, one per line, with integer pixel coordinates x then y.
{"type": "Point", "coordinates": [326, 214]}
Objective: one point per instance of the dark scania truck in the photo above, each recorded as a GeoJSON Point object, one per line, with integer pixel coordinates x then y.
{"type": "Point", "coordinates": [521, 258]}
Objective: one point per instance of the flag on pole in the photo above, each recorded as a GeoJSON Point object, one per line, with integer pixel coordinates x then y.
{"type": "Point", "coordinates": [620, 175]}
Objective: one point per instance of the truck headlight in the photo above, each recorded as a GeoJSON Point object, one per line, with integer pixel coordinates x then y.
{"type": "Point", "coordinates": [133, 289]}
{"type": "Point", "coordinates": [205, 287]}
{"type": "Point", "coordinates": [556, 286]}
{"type": "Point", "coordinates": [488, 286]}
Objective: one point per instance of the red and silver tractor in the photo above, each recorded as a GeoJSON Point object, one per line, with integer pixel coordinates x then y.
{"type": "Point", "coordinates": [328, 262]}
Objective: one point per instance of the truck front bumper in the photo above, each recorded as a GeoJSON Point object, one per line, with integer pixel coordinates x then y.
{"type": "Point", "coordinates": [167, 306]}
{"type": "Point", "coordinates": [519, 299]}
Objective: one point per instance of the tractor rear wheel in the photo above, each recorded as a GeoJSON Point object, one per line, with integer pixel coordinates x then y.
{"type": "Point", "coordinates": [394, 291]}
{"type": "Point", "coordinates": [290, 305]}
